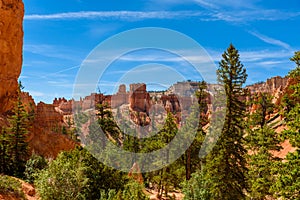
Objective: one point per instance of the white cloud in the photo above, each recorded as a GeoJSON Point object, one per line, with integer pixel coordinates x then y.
{"type": "Point", "coordinates": [270, 40]}
{"type": "Point", "coordinates": [121, 15]}
{"type": "Point", "coordinates": [214, 14]}
{"type": "Point", "coordinates": [52, 51]}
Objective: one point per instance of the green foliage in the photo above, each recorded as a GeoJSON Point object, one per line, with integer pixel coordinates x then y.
{"type": "Point", "coordinates": [262, 140]}
{"type": "Point", "coordinates": [194, 126]}
{"type": "Point", "coordinates": [77, 175]}
{"type": "Point", "coordinates": [33, 166]}
{"type": "Point", "coordinates": [11, 186]}
{"type": "Point", "coordinates": [288, 183]}
{"type": "Point", "coordinates": [14, 147]}
{"type": "Point", "coordinates": [133, 191]}
{"type": "Point", "coordinates": [226, 164]}
{"type": "Point", "coordinates": [197, 188]}
{"type": "Point", "coordinates": [5, 160]}
{"type": "Point", "coordinates": [106, 121]}
{"type": "Point", "coordinates": [108, 195]}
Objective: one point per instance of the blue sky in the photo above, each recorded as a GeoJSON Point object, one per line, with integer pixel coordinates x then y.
{"type": "Point", "coordinates": [59, 36]}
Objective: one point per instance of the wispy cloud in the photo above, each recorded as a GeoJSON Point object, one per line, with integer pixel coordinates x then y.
{"type": "Point", "coordinates": [121, 15]}
{"type": "Point", "coordinates": [263, 58]}
{"type": "Point", "coordinates": [270, 40]}
{"type": "Point", "coordinates": [164, 58]}
{"type": "Point", "coordinates": [52, 51]}
{"type": "Point", "coordinates": [214, 14]}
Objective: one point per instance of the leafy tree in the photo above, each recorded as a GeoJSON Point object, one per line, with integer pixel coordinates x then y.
{"type": "Point", "coordinates": [77, 175]}
{"type": "Point", "coordinates": [288, 183]}
{"type": "Point", "coordinates": [226, 164]}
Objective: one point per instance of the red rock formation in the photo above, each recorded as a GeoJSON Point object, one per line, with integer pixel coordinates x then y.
{"type": "Point", "coordinates": [28, 102]}
{"type": "Point", "coordinates": [11, 46]}
{"type": "Point", "coordinates": [171, 103]}
{"type": "Point", "coordinates": [47, 117]}
{"type": "Point", "coordinates": [49, 144]}
{"type": "Point", "coordinates": [122, 97]}
{"type": "Point", "coordinates": [274, 86]}
{"type": "Point", "coordinates": [139, 98]}
{"type": "Point", "coordinates": [45, 137]}
{"type": "Point", "coordinates": [139, 104]}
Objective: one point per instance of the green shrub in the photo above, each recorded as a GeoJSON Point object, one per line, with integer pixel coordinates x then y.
{"type": "Point", "coordinates": [11, 186]}
{"type": "Point", "coordinates": [77, 175]}
{"type": "Point", "coordinates": [197, 187]}
{"type": "Point", "coordinates": [133, 191]}
{"type": "Point", "coordinates": [33, 166]}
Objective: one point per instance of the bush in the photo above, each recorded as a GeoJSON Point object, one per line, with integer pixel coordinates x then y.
{"type": "Point", "coordinates": [77, 175]}
{"type": "Point", "coordinates": [33, 166]}
{"type": "Point", "coordinates": [11, 186]}
{"type": "Point", "coordinates": [133, 191]}
{"type": "Point", "coordinates": [197, 187]}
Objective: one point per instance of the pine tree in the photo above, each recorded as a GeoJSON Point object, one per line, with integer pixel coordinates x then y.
{"type": "Point", "coordinates": [225, 165]}
{"type": "Point", "coordinates": [17, 134]}
{"type": "Point", "coordinates": [167, 133]}
{"type": "Point", "coordinates": [194, 123]}
{"type": "Point", "coordinates": [288, 183]}
{"type": "Point", "coordinates": [262, 141]}
{"type": "Point", "coordinates": [5, 161]}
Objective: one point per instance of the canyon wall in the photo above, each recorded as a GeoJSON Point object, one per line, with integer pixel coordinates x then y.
{"type": "Point", "coordinates": [11, 46]}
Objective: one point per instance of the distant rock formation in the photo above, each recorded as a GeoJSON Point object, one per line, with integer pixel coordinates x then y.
{"type": "Point", "coordinates": [11, 47]}
{"type": "Point", "coordinates": [274, 86]}
{"type": "Point", "coordinates": [139, 98]}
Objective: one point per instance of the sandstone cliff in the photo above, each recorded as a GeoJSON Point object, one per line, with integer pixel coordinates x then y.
{"type": "Point", "coordinates": [11, 46]}
{"type": "Point", "coordinates": [275, 86]}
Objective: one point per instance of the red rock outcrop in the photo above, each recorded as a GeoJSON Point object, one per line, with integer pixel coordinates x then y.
{"type": "Point", "coordinates": [47, 117]}
{"type": "Point", "coordinates": [45, 137]}
{"type": "Point", "coordinates": [139, 98]}
{"type": "Point", "coordinates": [139, 104]}
{"type": "Point", "coordinates": [11, 46]}
{"type": "Point", "coordinates": [120, 98]}
{"type": "Point", "coordinates": [274, 86]}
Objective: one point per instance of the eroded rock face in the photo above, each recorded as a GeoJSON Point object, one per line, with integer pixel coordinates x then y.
{"type": "Point", "coordinates": [11, 46]}
{"type": "Point", "coordinates": [139, 98]}
{"type": "Point", "coordinates": [274, 86]}
{"type": "Point", "coordinates": [47, 117]}
{"type": "Point", "coordinates": [45, 137]}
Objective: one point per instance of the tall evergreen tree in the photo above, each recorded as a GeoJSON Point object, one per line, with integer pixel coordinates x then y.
{"type": "Point", "coordinates": [226, 165]}
{"type": "Point", "coordinates": [288, 184]}
{"type": "Point", "coordinates": [5, 160]}
{"type": "Point", "coordinates": [194, 123]}
{"type": "Point", "coordinates": [262, 141]}
{"type": "Point", "coordinates": [14, 146]}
